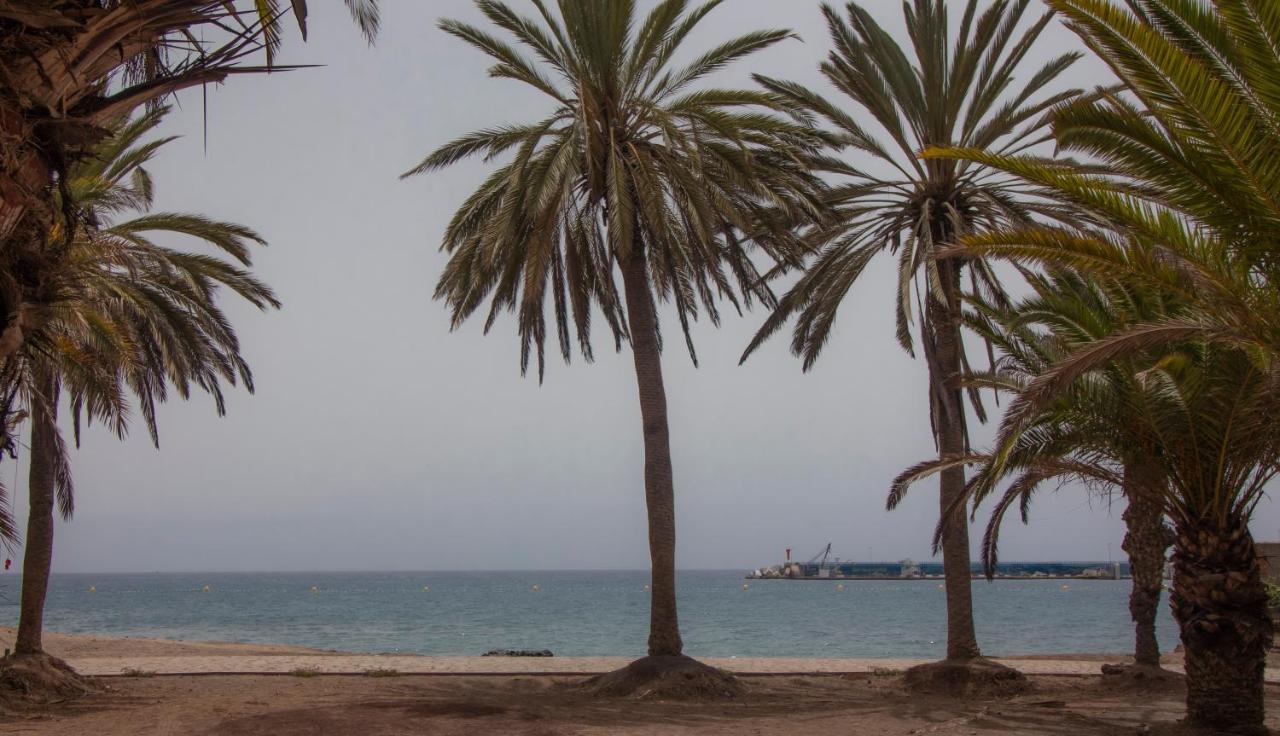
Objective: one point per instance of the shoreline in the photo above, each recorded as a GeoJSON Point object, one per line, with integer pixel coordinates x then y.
{"type": "Point", "coordinates": [108, 656]}
{"type": "Point", "coordinates": [75, 646]}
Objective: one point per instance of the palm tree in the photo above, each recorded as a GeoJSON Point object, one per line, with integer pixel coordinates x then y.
{"type": "Point", "coordinates": [1211, 409]}
{"type": "Point", "coordinates": [633, 168]}
{"type": "Point", "coordinates": [1096, 433]}
{"type": "Point", "coordinates": [74, 66]}
{"type": "Point", "coordinates": [1189, 200]}
{"type": "Point", "coordinates": [128, 318]}
{"type": "Point", "coordinates": [956, 91]}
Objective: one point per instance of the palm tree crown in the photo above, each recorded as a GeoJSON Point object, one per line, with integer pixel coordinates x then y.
{"type": "Point", "coordinates": [945, 96]}
{"type": "Point", "coordinates": [632, 161]}
{"type": "Point", "coordinates": [124, 319]}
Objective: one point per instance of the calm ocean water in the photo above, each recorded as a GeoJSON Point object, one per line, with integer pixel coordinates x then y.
{"type": "Point", "coordinates": [585, 613]}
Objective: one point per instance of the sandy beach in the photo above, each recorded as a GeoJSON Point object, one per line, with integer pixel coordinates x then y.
{"type": "Point", "coordinates": [159, 687]}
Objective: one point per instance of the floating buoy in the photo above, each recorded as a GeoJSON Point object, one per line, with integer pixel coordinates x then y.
{"type": "Point", "coordinates": [314, 589]}
{"type": "Point", "coordinates": [745, 586]}
{"type": "Point", "coordinates": [92, 589]}
{"type": "Point", "coordinates": [426, 589]}
{"type": "Point", "coordinates": [840, 586]}
{"type": "Point", "coordinates": [1066, 587]}
{"type": "Point", "coordinates": [206, 589]}
{"type": "Point", "coordinates": [646, 588]}
{"type": "Point", "coordinates": [942, 587]}
{"type": "Point", "coordinates": [536, 589]}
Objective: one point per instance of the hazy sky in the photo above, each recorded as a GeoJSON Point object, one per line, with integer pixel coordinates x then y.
{"type": "Point", "coordinates": [379, 440]}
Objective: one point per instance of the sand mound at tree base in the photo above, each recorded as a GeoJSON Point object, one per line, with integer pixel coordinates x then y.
{"type": "Point", "coordinates": [962, 678]}
{"type": "Point", "coordinates": [33, 679]}
{"type": "Point", "coordinates": [666, 678]}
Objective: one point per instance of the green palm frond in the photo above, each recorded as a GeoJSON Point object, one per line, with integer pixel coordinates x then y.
{"type": "Point", "coordinates": [634, 156]}
{"type": "Point", "coordinates": [126, 319]}
{"type": "Point", "coordinates": [942, 89]}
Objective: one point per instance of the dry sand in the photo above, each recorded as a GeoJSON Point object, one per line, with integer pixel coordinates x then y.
{"type": "Point", "coordinates": [548, 705]}
{"type": "Point", "coordinates": [256, 705]}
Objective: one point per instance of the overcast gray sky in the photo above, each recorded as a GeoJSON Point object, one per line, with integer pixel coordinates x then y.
{"type": "Point", "coordinates": [379, 440]}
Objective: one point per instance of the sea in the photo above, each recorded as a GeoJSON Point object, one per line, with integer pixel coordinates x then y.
{"type": "Point", "coordinates": [586, 613]}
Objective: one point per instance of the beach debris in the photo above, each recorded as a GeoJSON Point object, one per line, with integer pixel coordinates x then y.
{"type": "Point", "coordinates": [135, 672]}
{"type": "Point", "coordinates": [381, 672]}
{"type": "Point", "coordinates": [310, 671]}
{"type": "Point", "coordinates": [518, 653]}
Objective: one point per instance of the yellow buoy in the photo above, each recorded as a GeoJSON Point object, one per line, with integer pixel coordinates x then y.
{"type": "Point", "coordinates": [206, 589]}
{"type": "Point", "coordinates": [536, 589]}
{"type": "Point", "coordinates": [92, 589]}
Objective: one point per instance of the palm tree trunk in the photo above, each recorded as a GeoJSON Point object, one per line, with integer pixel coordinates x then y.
{"type": "Point", "coordinates": [659, 489]}
{"type": "Point", "coordinates": [1145, 540]}
{"type": "Point", "coordinates": [1220, 604]}
{"type": "Point", "coordinates": [947, 407]}
{"type": "Point", "coordinates": [38, 552]}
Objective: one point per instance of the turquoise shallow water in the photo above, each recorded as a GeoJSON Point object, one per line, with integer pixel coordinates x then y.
{"type": "Point", "coordinates": [586, 613]}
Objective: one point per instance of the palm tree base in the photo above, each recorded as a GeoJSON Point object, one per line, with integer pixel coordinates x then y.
{"type": "Point", "coordinates": [666, 678]}
{"type": "Point", "coordinates": [965, 677]}
{"type": "Point", "coordinates": [39, 678]}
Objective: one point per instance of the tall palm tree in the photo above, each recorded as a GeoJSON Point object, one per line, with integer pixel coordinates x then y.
{"type": "Point", "coordinates": [129, 319]}
{"type": "Point", "coordinates": [74, 66]}
{"type": "Point", "coordinates": [957, 90]}
{"type": "Point", "coordinates": [635, 169]}
{"type": "Point", "coordinates": [1096, 433]}
{"type": "Point", "coordinates": [1189, 198]}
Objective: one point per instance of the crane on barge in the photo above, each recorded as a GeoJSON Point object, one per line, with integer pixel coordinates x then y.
{"type": "Point", "coordinates": [824, 554]}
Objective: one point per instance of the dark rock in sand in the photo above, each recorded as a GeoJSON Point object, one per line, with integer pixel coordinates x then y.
{"type": "Point", "coordinates": [518, 653]}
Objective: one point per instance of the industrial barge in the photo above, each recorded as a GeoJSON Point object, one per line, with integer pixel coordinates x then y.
{"type": "Point", "coordinates": [823, 566]}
